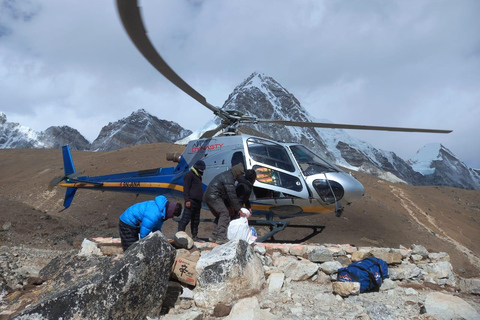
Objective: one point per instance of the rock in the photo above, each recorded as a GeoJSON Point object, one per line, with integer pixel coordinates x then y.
{"type": "Point", "coordinates": [388, 284]}
{"type": "Point", "coordinates": [298, 250]}
{"type": "Point", "coordinates": [404, 271]}
{"type": "Point", "coordinates": [416, 257]}
{"type": "Point", "coordinates": [330, 267]}
{"type": "Point", "coordinates": [299, 269]}
{"type": "Point", "coordinates": [275, 282]}
{"type": "Point", "coordinates": [411, 292]}
{"type": "Point", "coordinates": [320, 255]}
{"type": "Point", "coordinates": [360, 255]}
{"type": "Point", "coordinates": [443, 306]}
{"type": "Point", "coordinates": [379, 311]}
{"type": "Point", "coordinates": [260, 250]}
{"type": "Point", "coordinates": [4, 288]}
{"type": "Point", "coordinates": [346, 289]}
{"type": "Point", "coordinates": [190, 315]}
{"type": "Point", "coordinates": [227, 273]}
{"type": "Point", "coordinates": [344, 260]}
{"type": "Point", "coordinates": [403, 251]}
{"type": "Point", "coordinates": [470, 285]}
{"type": "Point", "coordinates": [89, 248]}
{"type": "Point", "coordinates": [222, 310]}
{"type": "Point", "coordinates": [132, 286]}
{"type": "Point", "coordinates": [418, 249]}
{"type": "Point", "coordinates": [6, 226]}
{"type": "Point", "coordinates": [183, 240]}
{"type": "Point", "coordinates": [437, 271]}
{"type": "Point", "coordinates": [322, 278]}
{"type": "Point", "coordinates": [186, 294]}
{"type": "Point", "coordinates": [249, 309]}
{"type": "Point", "coordinates": [441, 256]}
{"type": "Point", "coordinates": [389, 257]}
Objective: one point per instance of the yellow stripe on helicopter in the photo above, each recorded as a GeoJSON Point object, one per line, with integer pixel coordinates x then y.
{"type": "Point", "coordinates": [125, 185]}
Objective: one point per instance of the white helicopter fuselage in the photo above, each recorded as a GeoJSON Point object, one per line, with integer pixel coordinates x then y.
{"type": "Point", "coordinates": [291, 179]}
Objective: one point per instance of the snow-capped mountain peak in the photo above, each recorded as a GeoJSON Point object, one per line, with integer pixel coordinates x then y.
{"type": "Point", "coordinates": [441, 167]}
{"type": "Point", "coordinates": [422, 161]}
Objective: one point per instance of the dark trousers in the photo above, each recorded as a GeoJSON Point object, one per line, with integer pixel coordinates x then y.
{"type": "Point", "coordinates": [222, 219]}
{"type": "Point", "coordinates": [128, 234]}
{"type": "Point", "coordinates": [192, 215]}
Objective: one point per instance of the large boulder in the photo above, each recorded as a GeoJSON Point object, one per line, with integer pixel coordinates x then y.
{"type": "Point", "coordinates": [443, 306]}
{"type": "Point", "coordinates": [227, 273]}
{"type": "Point", "coordinates": [129, 286]}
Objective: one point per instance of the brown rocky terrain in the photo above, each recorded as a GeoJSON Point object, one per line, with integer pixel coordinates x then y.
{"type": "Point", "coordinates": [389, 215]}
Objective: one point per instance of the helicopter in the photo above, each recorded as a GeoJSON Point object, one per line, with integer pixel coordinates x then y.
{"type": "Point", "coordinates": [291, 179]}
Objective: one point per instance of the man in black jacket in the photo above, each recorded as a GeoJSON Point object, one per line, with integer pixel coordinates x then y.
{"type": "Point", "coordinates": [193, 194]}
{"type": "Point", "coordinates": [219, 195]}
{"type": "Point", "coordinates": [244, 189]}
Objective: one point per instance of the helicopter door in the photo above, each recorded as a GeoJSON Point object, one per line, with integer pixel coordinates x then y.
{"type": "Point", "coordinates": [277, 176]}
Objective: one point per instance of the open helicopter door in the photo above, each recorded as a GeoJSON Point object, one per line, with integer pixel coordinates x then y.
{"type": "Point", "coordinates": [278, 177]}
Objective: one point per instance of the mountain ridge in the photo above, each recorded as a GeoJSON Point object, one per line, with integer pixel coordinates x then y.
{"type": "Point", "coordinates": [259, 96]}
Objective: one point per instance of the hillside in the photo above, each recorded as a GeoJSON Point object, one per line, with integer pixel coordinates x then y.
{"type": "Point", "coordinates": [390, 215]}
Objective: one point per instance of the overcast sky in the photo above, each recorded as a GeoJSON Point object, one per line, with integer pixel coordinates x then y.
{"type": "Point", "coordinates": [391, 63]}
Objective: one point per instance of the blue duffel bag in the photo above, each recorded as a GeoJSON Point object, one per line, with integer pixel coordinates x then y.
{"type": "Point", "coordinates": [370, 272]}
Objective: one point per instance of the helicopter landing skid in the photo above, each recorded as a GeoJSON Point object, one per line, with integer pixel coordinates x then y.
{"type": "Point", "coordinates": [276, 227]}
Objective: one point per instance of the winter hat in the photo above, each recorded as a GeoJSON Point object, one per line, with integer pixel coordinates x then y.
{"type": "Point", "coordinates": [246, 212]}
{"type": "Point", "coordinates": [238, 169]}
{"type": "Point", "coordinates": [173, 209]}
{"type": "Point", "coordinates": [250, 175]}
{"type": "Point", "coordinates": [199, 165]}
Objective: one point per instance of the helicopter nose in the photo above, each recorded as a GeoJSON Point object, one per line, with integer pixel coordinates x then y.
{"type": "Point", "coordinates": [354, 190]}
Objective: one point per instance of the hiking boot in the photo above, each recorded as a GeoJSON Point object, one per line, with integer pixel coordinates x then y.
{"type": "Point", "coordinates": [221, 241]}
{"type": "Point", "coordinates": [197, 239]}
{"type": "Point", "coordinates": [211, 239]}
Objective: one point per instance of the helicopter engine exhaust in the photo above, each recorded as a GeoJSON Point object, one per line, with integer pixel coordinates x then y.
{"type": "Point", "coordinates": [174, 156]}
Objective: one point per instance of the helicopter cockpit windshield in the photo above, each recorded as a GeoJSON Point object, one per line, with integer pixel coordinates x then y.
{"type": "Point", "coordinates": [309, 162]}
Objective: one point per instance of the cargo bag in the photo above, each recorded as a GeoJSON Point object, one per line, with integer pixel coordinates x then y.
{"type": "Point", "coordinates": [370, 272]}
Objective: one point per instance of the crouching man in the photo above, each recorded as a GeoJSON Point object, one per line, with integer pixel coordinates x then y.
{"type": "Point", "coordinates": [142, 218]}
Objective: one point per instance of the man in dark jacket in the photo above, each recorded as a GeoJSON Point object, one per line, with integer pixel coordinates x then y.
{"type": "Point", "coordinates": [193, 194]}
{"type": "Point", "coordinates": [245, 187]}
{"type": "Point", "coordinates": [145, 217]}
{"type": "Point", "coordinates": [219, 195]}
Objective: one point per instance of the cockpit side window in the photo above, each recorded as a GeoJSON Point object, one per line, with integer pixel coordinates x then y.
{"type": "Point", "coordinates": [270, 153]}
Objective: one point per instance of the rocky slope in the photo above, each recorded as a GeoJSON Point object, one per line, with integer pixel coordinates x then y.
{"type": "Point", "coordinates": [138, 128]}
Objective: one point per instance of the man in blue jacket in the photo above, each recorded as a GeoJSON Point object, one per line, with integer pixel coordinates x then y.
{"type": "Point", "coordinates": [145, 217]}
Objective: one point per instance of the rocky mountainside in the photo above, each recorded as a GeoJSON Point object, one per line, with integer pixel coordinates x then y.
{"type": "Point", "coordinates": [265, 98]}
{"type": "Point", "coordinates": [138, 128]}
{"type": "Point", "coordinates": [14, 135]}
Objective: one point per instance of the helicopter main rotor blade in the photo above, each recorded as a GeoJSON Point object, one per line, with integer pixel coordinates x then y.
{"type": "Point", "coordinates": [211, 133]}
{"type": "Point", "coordinates": [348, 126]}
{"type": "Point", "coordinates": [132, 21]}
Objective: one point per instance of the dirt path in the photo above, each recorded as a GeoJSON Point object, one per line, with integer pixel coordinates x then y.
{"type": "Point", "coordinates": [415, 212]}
